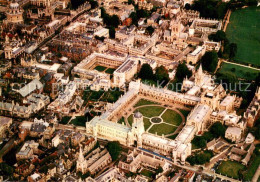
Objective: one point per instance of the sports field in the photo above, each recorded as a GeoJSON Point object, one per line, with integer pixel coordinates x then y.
{"type": "Point", "coordinates": [243, 30]}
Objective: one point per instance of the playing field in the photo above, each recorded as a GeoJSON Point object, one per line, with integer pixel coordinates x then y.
{"type": "Point", "coordinates": [239, 71]}
{"type": "Point", "coordinates": [243, 30]}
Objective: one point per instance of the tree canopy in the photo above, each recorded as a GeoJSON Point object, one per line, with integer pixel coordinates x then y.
{"type": "Point", "coordinates": [162, 75]}
{"type": "Point", "coordinates": [114, 149]}
{"type": "Point", "coordinates": [217, 129]}
{"type": "Point", "coordinates": [150, 30]}
{"type": "Point", "coordinates": [146, 72]}
{"type": "Point", "coordinates": [182, 71]}
{"type": "Point", "coordinates": [209, 61]}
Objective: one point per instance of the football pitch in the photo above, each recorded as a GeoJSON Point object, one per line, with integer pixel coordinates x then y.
{"type": "Point", "coordinates": [243, 29]}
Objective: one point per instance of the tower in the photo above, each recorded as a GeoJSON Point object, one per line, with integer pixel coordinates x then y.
{"type": "Point", "coordinates": [8, 48]}
{"type": "Point", "coordinates": [138, 128]}
{"type": "Point", "coordinates": [199, 77]}
{"type": "Point", "coordinates": [81, 163]}
{"type": "Point", "coordinates": [14, 14]}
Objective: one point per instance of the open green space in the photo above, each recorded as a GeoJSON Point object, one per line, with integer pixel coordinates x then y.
{"type": "Point", "coordinates": [239, 71]}
{"type": "Point", "coordinates": [147, 123]}
{"type": "Point", "coordinates": [230, 168]}
{"type": "Point", "coordinates": [172, 117]}
{"type": "Point", "coordinates": [162, 129]}
{"type": "Point", "coordinates": [147, 173]}
{"type": "Point", "coordinates": [130, 119]}
{"type": "Point", "coordinates": [252, 167]}
{"type": "Point", "coordinates": [100, 68]}
{"type": "Point", "coordinates": [142, 102]}
{"type": "Point", "coordinates": [151, 111]}
{"type": "Point", "coordinates": [110, 71]}
{"type": "Point", "coordinates": [243, 29]}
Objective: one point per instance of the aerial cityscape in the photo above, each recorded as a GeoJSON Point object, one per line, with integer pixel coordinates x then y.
{"type": "Point", "coordinates": [130, 90]}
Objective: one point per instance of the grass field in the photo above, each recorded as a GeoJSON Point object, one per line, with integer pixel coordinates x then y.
{"type": "Point", "coordinates": [243, 30]}
{"type": "Point", "coordinates": [130, 119]}
{"type": "Point", "coordinates": [151, 111]}
{"type": "Point", "coordinates": [172, 117]}
{"type": "Point", "coordinates": [239, 71]}
{"type": "Point", "coordinates": [230, 168]}
{"type": "Point", "coordinates": [142, 102]}
{"type": "Point", "coordinates": [162, 129]}
{"type": "Point", "coordinates": [100, 68]}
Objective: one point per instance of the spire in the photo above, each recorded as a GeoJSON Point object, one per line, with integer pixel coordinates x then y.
{"type": "Point", "coordinates": [200, 71]}
{"type": "Point", "coordinates": [81, 156]}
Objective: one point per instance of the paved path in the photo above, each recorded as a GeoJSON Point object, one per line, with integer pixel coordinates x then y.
{"type": "Point", "coordinates": [257, 174]}
{"type": "Point", "coordinates": [245, 66]}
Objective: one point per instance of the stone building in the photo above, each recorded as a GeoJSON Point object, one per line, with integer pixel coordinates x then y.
{"type": "Point", "coordinates": [14, 14]}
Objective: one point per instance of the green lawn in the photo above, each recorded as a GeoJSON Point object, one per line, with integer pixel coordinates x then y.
{"type": "Point", "coordinates": [230, 168]}
{"type": "Point", "coordinates": [100, 68]}
{"type": "Point", "coordinates": [110, 70]}
{"type": "Point", "coordinates": [172, 117]}
{"type": "Point", "coordinates": [162, 129]}
{"type": "Point", "coordinates": [151, 111]}
{"type": "Point", "coordinates": [240, 72]}
{"type": "Point", "coordinates": [243, 30]}
{"type": "Point", "coordinates": [251, 169]}
{"type": "Point", "coordinates": [142, 102]}
{"type": "Point", "coordinates": [147, 123]}
{"type": "Point", "coordinates": [130, 119]}
{"type": "Point", "coordinates": [147, 173]}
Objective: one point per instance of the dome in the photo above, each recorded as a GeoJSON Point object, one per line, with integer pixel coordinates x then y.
{"type": "Point", "coordinates": [138, 115]}
{"type": "Point", "coordinates": [14, 5]}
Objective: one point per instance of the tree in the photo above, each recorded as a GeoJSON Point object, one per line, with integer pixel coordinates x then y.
{"type": "Point", "coordinates": [199, 141]}
{"type": "Point", "coordinates": [162, 75]}
{"type": "Point", "coordinates": [112, 32]}
{"type": "Point", "coordinates": [159, 170]}
{"type": "Point", "coordinates": [114, 149]}
{"type": "Point", "coordinates": [146, 72]}
{"type": "Point", "coordinates": [134, 18]}
{"type": "Point", "coordinates": [94, 4]}
{"type": "Point", "coordinates": [233, 50]}
{"type": "Point", "coordinates": [218, 36]}
{"type": "Point", "coordinates": [182, 72]}
{"type": "Point", "coordinates": [150, 30]}
{"type": "Point", "coordinates": [217, 129]}
{"type": "Point", "coordinates": [209, 61]}
{"type": "Point", "coordinates": [115, 21]}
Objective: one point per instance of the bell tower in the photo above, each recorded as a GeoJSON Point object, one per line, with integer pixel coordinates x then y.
{"type": "Point", "coordinates": [138, 128]}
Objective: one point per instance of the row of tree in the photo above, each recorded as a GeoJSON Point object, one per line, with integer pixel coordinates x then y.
{"type": "Point", "coordinates": [217, 9]}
